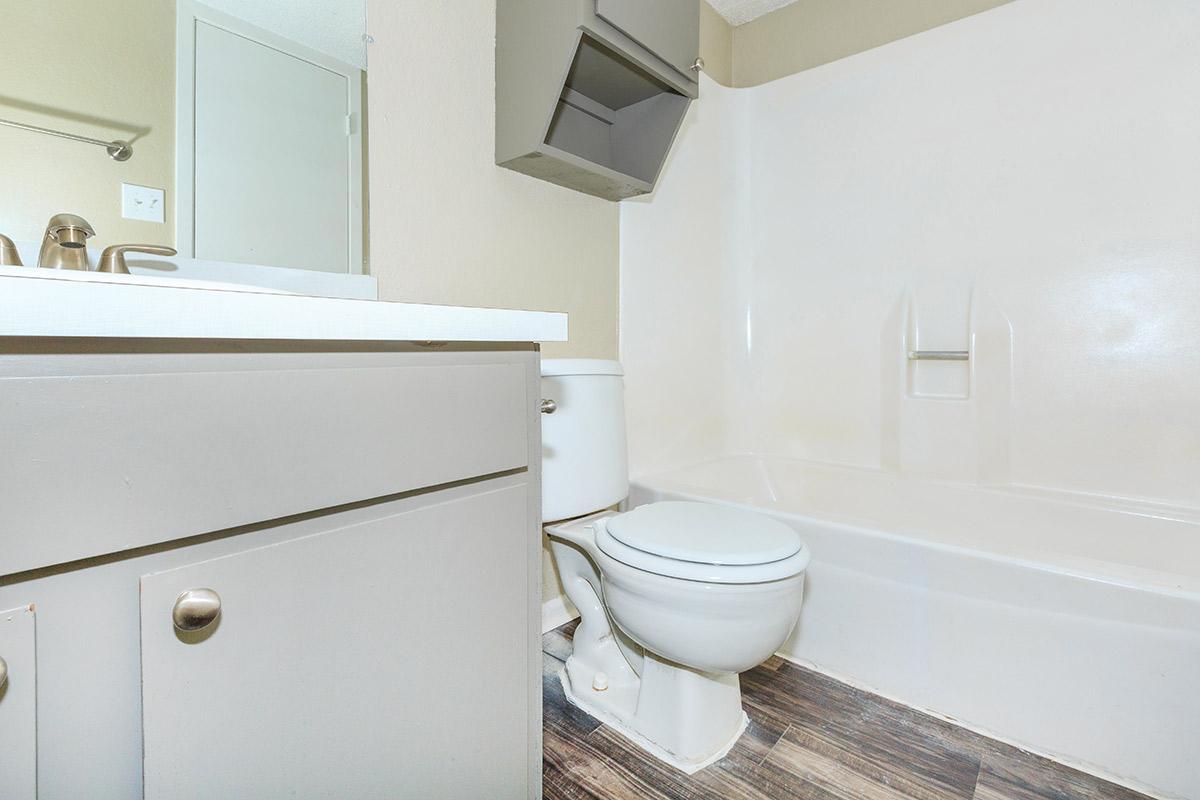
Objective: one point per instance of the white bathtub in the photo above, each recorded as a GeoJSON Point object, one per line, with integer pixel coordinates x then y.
{"type": "Point", "coordinates": [1066, 624]}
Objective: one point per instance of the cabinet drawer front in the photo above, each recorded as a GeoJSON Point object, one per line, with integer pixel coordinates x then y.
{"type": "Point", "coordinates": [102, 463]}
{"type": "Point", "coordinates": [352, 662]}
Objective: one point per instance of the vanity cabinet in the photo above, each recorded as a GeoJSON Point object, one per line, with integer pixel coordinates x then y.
{"type": "Point", "coordinates": [590, 93]}
{"type": "Point", "coordinates": [18, 704]}
{"type": "Point", "coordinates": [368, 517]}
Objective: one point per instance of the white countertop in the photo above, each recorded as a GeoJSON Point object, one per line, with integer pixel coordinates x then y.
{"type": "Point", "coordinates": [45, 303]}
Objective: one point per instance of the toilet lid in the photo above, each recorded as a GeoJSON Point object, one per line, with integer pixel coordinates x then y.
{"type": "Point", "coordinates": [704, 533]}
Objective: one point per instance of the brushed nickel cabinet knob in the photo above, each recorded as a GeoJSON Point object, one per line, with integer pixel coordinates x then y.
{"type": "Point", "coordinates": [3, 672]}
{"type": "Point", "coordinates": [549, 407]}
{"type": "Point", "coordinates": [196, 609]}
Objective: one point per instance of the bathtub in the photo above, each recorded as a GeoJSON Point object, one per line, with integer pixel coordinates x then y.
{"type": "Point", "coordinates": [1067, 624]}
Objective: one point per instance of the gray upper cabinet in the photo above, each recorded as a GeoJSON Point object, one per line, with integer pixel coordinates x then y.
{"type": "Point", "coordinates": [590, 93]}
{"type": "Point", "coordinates": [668, 28]}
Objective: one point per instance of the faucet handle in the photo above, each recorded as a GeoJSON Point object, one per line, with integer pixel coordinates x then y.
{"type": "Point", "coordinates": [9, 257]}
{"type": "Point", "coordinates": [113, 257]}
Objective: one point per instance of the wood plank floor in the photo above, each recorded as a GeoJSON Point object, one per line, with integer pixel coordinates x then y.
{"type": "Point", "coordinates": [810, 737]}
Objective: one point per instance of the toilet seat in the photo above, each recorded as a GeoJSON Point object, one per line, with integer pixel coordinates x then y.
{"type": "Point", "coordinates": [702, 542]}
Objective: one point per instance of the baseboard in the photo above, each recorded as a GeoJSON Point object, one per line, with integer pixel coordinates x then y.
{"type": "Point", "coordinates": [557, 611]}
{"type": "Point", "coordinates": [1059, 758]}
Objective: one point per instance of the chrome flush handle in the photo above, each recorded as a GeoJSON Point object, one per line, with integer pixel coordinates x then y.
{"type": "Point", "coordinates": [549, 407]}
{"type": "Point", "coordinates": [196, 609]}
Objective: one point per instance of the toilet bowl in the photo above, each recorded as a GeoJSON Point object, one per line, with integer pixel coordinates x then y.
{"type": "Point", "coordinates": [675, 598]}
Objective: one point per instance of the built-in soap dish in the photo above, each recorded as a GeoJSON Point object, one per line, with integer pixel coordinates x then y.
{"type": "Point", "coordinates": [939, 374]}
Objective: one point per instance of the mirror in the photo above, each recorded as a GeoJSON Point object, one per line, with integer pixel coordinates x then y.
{"type": "Point", "coordinates": [245, 120]}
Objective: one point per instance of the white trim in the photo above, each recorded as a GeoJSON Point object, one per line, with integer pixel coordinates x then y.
{"type": "Point", "coordinates": [557, 611]}
{"type": "Point", "coordinates": [1058, 758]}
{"type": "Point", "coordinates": [187, 14]}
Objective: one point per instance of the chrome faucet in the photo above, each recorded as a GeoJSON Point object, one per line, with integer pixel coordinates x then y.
{"type": "Point", "coordinates": [64, 246]}
{"type": "Point", "coordinates": [9, 256]}
{"type": "Point", "coordinates": [113, 257]}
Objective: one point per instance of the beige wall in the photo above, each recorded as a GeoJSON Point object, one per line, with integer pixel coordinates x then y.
{"type": "Point", "coordinates": [716, 45]}
{"type": "Point", "coordinates": [808, 33]}
{"type": "Point", "coordinates": [96, 70]}
{"type": "Point", "coordinates": [447, 224]}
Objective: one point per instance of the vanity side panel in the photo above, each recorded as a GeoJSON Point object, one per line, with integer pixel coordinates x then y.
{"type": "Point", "coordinates": [533, 577]}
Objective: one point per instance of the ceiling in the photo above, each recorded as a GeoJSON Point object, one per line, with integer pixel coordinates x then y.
{"type": "Point", "coordinates": [737, 12]}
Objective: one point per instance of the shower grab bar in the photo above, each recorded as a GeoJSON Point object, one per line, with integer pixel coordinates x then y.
{"type": "Point", "coordinates": [117, 149]}
{"type": "Point", "coordinates": [939, 355]}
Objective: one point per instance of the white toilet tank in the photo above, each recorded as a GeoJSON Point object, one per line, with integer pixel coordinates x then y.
{"type": "Point", "coordinates": [584, 467]}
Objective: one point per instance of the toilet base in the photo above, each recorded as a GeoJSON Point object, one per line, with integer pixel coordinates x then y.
{"type": "Point", "coordinates": [686, 718]}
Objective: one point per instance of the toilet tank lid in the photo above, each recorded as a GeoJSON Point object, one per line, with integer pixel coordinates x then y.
{"type": "Point", "coordinates": [580, 366]}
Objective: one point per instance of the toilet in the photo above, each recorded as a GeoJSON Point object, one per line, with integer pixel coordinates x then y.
{"type": "Point", "coordinates": [675, 598]}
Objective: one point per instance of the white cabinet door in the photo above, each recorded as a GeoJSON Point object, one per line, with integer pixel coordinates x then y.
{"type": "Point", "coordinates": [18, 705]}
{"type": "Point", "coordinates": [337, 667]}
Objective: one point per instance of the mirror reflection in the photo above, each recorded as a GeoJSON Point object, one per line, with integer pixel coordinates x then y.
{"type": "Point", "coordinates": [231, 130]}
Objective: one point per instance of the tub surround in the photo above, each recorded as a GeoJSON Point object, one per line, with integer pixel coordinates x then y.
{"type": "Point", "coordinates": [52, 303]}
{"type": "Point", "coordinates": [1010, 538]}
{"type": "Point", "coordinates": [1145, 546]}
{"type": "Point", "coordinates": [800, 245]}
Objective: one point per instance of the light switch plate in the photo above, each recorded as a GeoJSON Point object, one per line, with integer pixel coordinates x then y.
{"type": "Point", "coordinates": [142, 202]}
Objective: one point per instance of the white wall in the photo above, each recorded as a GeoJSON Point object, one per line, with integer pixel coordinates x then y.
{"type": "Point", "coordinates": [1024, 183]}
{"type": "Point", "coordinates": [680, 338]}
